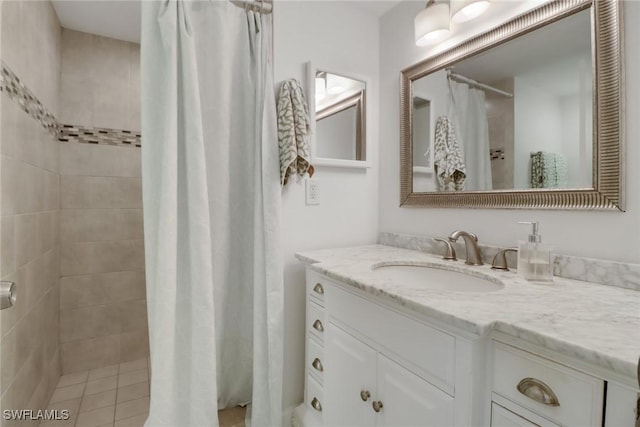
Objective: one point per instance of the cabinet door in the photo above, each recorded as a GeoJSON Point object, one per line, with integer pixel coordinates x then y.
{"type": "Point", "coordinates": [408, 400]}
{"type": "Point", "coordinates": [350, 370]}
{"type": "Point", "coordinates": [622, 406]}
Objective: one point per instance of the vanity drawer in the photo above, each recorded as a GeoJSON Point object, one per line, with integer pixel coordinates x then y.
{"type": "Point", "coordinates": [579, 396]}
{"type": "Point", "coordinates": [315, 320]}
{"type": "Point", "coordinates": [316, 285]}
{"type": "Point", "coordinates": [314, 395]}
{"type": "Point", "coordinates": [315, 359]}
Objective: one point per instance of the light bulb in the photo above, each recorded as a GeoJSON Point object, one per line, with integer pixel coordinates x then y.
{"type": "Point", "coordinates": [466, 10]}
{"type": "Point", "coordinates": [432, 24]}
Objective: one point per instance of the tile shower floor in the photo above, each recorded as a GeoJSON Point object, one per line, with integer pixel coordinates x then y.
{"type": "Point", "coordinates": [116, 396]}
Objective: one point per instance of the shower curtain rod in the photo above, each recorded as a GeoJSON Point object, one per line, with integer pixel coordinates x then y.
{"type": "Point", "coordinates": [459, 77]}
{"type": "Point", "coordinates": [261, 6]}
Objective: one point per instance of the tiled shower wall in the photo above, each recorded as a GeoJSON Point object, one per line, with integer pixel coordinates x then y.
{"type": "Point", "coordinates": [102, 302]}
{"type": "Point", "coordinates": [29, 254]}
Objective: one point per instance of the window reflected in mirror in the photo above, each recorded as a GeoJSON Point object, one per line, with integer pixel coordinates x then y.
{"type": "Point", "coordinates": [340, 117]}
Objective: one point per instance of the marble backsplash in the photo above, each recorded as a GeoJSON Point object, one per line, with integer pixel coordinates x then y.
{"type": "Point", "coordinates": [604, 272]}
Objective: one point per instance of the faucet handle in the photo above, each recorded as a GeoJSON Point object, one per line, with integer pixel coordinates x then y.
{"type": "Point", "coordinates": [500, 260]}
{"type": "Point", "coordinates": [450, 255]}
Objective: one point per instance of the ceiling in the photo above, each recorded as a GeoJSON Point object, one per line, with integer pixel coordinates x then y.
{"type": "Point", "coordinates": [120, 19]}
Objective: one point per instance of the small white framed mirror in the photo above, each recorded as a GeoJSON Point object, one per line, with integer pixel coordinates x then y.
{"type": "Point", "coordinates": [338, 110]}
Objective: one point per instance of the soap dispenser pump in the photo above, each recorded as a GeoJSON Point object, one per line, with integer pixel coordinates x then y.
{"type": "Point", "coordinates": [534, 258]}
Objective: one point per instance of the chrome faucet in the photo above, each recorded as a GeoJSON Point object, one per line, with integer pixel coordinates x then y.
{"type": "Point", "coordinates": [471, 245]}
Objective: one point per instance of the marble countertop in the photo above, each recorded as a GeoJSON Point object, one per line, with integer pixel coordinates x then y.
{"type": "Point", "coordinates": [595, 323]}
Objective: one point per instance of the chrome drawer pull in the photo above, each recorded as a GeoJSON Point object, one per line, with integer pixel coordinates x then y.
{"type": "Point", "coordinates": [317, 364]}
{"type": "Point", "coordinates": [538, 391]}
{"type": "Point", "coordinates": [318, 289]}
{"type": "Point", "coordinates": [315, 403]}
{"type": "Point", "coordinates": [317, 325]}
{"type": "Point", "coordinates": [377, 405]}
{"type": "Point", "coordinates": [365, 395]}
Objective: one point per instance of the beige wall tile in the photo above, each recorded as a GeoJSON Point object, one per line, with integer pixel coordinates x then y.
{"type": "Point", "coordinates": [107, 371]}
{"type": "Point", "coordinates": [26, 238]}
{"type": "Point", "coordinates": [9, 318]}
{"type": "Point", "coordinates": [88, 192]}
{"type": "Point", "coordinates": [52, 191]}
{"type": "Point", "coordinates": [10, 185]}
{"type": "Point", "coordinates": [8, 360]}
{"type": "Point", "coordinates": [77, 52]}
{"type": "Point", "coordinates": [133, 315]}
{"type": "Point", "coordinates": [13, 44]}
{"type": "Point", "coordinates": [110, 105]}
{"type": "Point", "coordinates": [7, 245]}
{"type": "Point", "coordinates": [101, 288]}
{"type": "Point", "coordinates": [133, 377]}
{"type": "Point", "coordinates": [102, 257]}
{"type": "Point", "coordinates": [134, 345]}
{"type": "Point", "coordinates": [89, 225]}
{"type": "Point", "coordinates": [89, 322]}
{"type": "Point", "coordinates": [111, 62]}
{"type": "Point", "coordinates": [71, 379]}
{"type": "Point", "coordinates": [99, 160]}
{"type": "Point", "coordinates": [76, 99]}
{"type": "Point", "coordinates": [90, 354]}
{"type": "Point", "coordinates": [9, 125]}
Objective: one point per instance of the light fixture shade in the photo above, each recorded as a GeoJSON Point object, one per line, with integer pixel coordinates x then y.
{"type": "Point", "coordinates": [466, 10]}
{"type": "Point", "coordinates": [432, 24]}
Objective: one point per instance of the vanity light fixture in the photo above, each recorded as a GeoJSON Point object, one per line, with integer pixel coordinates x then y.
{"type": "Point", "coordinates": [432, 23]}
{"type": "Point", "coordinates": [466, 10]}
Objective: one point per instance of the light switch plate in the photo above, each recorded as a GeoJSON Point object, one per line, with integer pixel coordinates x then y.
{"type": "Point", "coordinates": [312, 190]}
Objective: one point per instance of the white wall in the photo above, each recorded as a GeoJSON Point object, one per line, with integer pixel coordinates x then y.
{"type": "Point", "coordinates": [537, 126]}
{"type": "Point", "coordinates": [606, 235]}
{"type": "Point", "coordinates": [338, 37]}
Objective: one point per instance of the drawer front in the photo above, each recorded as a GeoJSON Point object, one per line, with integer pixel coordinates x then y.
{"type": "Point", "coordinates": [316, 285]}
{"type": "Point", "coordinates": [501, 417]}
{"type": "Point", "coordinates": [315, 359]}
{"type": "Point", "coordinates": [314, 396]}
{"type": "Point", "coordinates": [526, 379]}
{"type": "Point", "coordinates": [428, 349]}
{"type": "Point", "coordinates": [315, 320]}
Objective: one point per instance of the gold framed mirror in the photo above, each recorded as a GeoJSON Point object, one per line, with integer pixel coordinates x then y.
{"type": "Point", "coordinates": [571, 83]}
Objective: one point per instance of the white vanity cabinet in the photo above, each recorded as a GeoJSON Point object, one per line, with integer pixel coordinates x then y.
{"type": "Point", "coordinates": [372, 362]}
{"type": "Point", "coordinates": [382, 367]}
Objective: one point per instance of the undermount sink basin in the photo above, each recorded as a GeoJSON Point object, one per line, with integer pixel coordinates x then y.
{"type": "Point", "coordinates": [435, 279]}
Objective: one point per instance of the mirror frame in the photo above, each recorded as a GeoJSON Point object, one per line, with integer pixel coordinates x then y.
{"type": "Point", "coordinates": [608, 121]}
{"type": "Point", "coordinates": [361, 116]}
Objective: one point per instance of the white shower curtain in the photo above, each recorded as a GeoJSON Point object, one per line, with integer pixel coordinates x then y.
{"type": "Point", "coordinates": [211, 210]}
{"type": "Point", "coordinates": [468, 110]}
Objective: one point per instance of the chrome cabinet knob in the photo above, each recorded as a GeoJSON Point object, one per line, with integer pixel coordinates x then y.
{"type": "Point", "coordinates": [317, 325]}
{"type": "Point", "coordinates": [315, 404]}
{"type": "Point", "coordinates": [377, 405]}
{"type": "Point", "coordinates": [317, 364]}
{"type": "Point", "coordinates": [318, 289]}
{"type": "Point", "coordinates": [365, 395]}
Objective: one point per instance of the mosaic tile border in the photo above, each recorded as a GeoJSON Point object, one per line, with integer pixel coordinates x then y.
{"type": "Point", "coordinates": [29, 103]}
{"type": "Point", "coordinates": [104, 136]}
{"type": "Point", "coordinates": [17, 91]}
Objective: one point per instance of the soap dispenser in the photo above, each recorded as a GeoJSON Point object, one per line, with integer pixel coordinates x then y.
{"type": "Point", "coordinates": [534, 258]}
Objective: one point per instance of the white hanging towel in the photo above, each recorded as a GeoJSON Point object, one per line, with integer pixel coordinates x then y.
{"type": "Point", "coordinates": [293, 131]}
{"type": "Point", "coordinates": [448, 159]}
